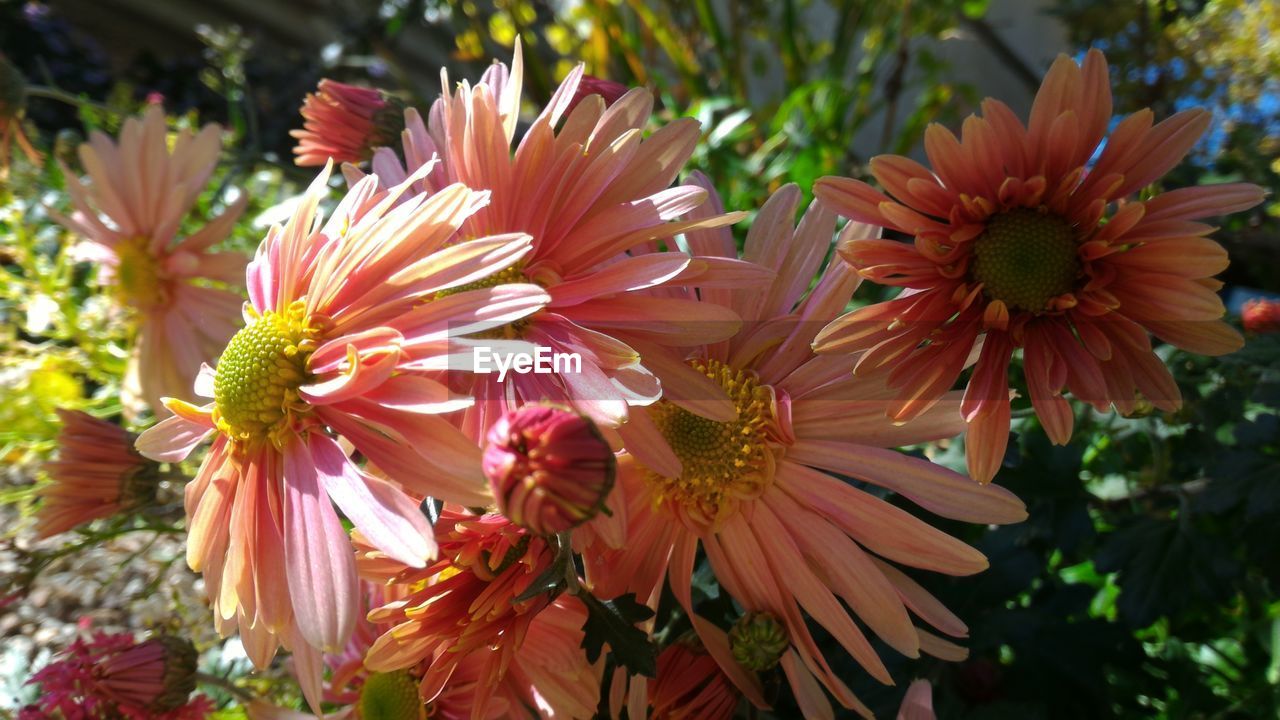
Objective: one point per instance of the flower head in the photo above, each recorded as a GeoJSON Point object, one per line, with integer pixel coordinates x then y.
{"type": "Point", "coordinates": [344, 123]}
{"type": "Point", "coordinates": [346, 329]}
{"type": "Point", "coordinates": [465, 626]}
{"type": "Point", "coordinates": [756, 490]}
{"type": "Point", "coordinates": [129, 216]}
{"type": "Point", "coordinates": [97, 474]}
{"type": "Point", "coordinates": [1261, 315]}
{"type": "Point", "coordinates": [111, 676]}
{"type": "Point", "coordinates": [1023, 236]}
{"type": "Point", "coordinates": [690, 684]}
{"type": "Point", "coordinates": [549, 468]}
{"type": "Point", "coordinates": [594, 193]}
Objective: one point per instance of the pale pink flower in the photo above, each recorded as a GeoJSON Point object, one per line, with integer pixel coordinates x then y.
{"type": "Point", "coordinates": [758, 495]}
{"type": "Point", "coordinates": [341, 340]}
{"type": "Point", "coordinates": [594, 193]}
{"type": "Point", "coordinates": [96, 475]}
{"type": "Point", "coordinates": [130, 217]}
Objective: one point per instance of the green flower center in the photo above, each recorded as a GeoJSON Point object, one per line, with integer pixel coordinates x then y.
{"type": "Point", "coordinates": [255, 386]}
{"type": "Point", "coordinates": [758, 641]}
{"type": "Point", "coordinates": [1026, 258]}
{"type": "Point", "coordinates": [391, 696]}
{"type": "Point", "coordinates": [722, 461]}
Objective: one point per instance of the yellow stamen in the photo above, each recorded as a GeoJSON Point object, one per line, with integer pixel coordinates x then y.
{"type": "Point", "coordinates": [723, 462]}
{"type": "Point", "coordinates": [257, 379]}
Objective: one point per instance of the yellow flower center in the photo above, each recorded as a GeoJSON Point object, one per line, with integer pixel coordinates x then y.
{"type": "Point", "coordinates": [724, 462]}
{"type": "Point", "coordinates": [255, 387]}
{"type": "Point", "coordinates": [138, 282]}
{"type": "Point", "coordinates": [1026, 258]}
{"type": "Point", "coordinates": [391, 696]}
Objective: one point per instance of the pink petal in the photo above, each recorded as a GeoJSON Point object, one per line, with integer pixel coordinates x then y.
{"type": "Point", "coordinates": [385, 516]}
{"type": "Point", "coordinates": [318, 554]}
{"type": "Point", "coordinates": [172, 439]}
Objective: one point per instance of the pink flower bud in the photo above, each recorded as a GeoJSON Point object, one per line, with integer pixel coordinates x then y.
{"type": "Point", "coordinates": [158, 675]}
{"type": "Point", "coordinates": [549, 468]}
{"type": "Point", "coordinates": [346, 123]}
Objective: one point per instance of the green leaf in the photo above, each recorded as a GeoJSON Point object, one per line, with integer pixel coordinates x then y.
{"type": "Point", "coordinates": [614, 622]}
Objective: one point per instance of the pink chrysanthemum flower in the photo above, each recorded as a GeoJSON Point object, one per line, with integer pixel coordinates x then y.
{"type": "Point", "coordinates": [110, 677]}
{"type": "Point", "coordinates": [344, 123]}
{"type": "Point", "coordinates": [690, 685]}
{"type": "Point", "coordinates": [1261, 315]}
{"type": "Point", "coordinates": [463, 620]}
{"type": "Point", "coordinates": [756, 492]}
{"type": "Point", "coordinates": [345, 317]}
{"type": "Point", "coordinates": [129, 216]}
{"type": "Point", "coordinates": [1023, 239]}
{"type": "Point", "coordinates": [97, 474]}
{"type": "Point", "coordinates": [593, 192]}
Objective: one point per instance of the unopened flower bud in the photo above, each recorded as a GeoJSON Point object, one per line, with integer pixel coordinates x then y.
{"type": "Point", "coordinates": [346, 123]}
{"type": "Point", "coordinates": [96, 475]}
{"type": "Point", "coordinates": [549, 467]}
{"type": "Point", "coordinates": [758, 641]}
{"type": "Point", "coordinates": [590, 85]}
{"type": "Point", "coordinates": [1261, 315]}
{"type": "Point", "coordinates": [157, 675]}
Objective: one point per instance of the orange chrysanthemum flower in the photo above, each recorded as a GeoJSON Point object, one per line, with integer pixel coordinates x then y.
{"type": "Point", "coordinates": [1024, 237]}
{"type": "Point", "coordinates": [129, 217]}
{"type": "Point", "coordinates": [461, 622]}
{"type": "Point", "coordinates": [347, 321]}
{"type": "Point", "coordinates": [97, 474]}
{"type": "Point", "coordinates": [595, 194]}
{"type": "Point", "coordinates": [690, 685]}
{"type": "Point", "coordinates": [757, 491]}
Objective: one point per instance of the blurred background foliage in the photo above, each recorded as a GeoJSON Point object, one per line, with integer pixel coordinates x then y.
{"type": "Point", "coordinates": [1144, 583]}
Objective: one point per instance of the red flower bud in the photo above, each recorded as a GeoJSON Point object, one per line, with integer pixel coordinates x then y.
{"type": "Point", "coordinates": [1261, 315]}
{"type": "Point", "coordinates": [590, 85]}
{"type": "Point", "coordinates": [549, 467]}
